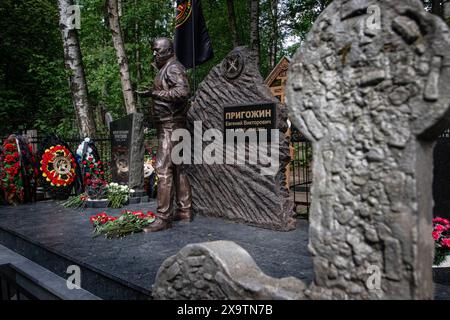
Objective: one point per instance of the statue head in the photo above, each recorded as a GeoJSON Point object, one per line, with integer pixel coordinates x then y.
{"type": "Point", "coordinates": [162, 51]}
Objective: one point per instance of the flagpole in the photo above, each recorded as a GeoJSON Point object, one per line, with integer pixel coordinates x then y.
{"type": "Point", "coordinates": [193, 48]}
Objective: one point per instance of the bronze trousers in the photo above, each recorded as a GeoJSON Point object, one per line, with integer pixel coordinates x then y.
{"type": "Point", "coordinates": [173, 184]}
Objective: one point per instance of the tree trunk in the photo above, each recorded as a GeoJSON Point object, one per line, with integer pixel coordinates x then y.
{"type": "Point", "coordinates": [254, 30]}
{"type": "Point", "coordinates": [74, 62]}
{"type": "Point", "coordinates": [137, 55]}
{"type": "Point", "coordinates": [232, 22]}
{"type": "Point", "coordinates": [273, 17]}
{"type": "Point", "coordinates": [125, 79]}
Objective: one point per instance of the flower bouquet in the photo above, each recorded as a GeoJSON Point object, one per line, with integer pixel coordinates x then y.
{"type": "Point", "coordinates": [10, 178]}
{"type": "Point", "coordinates": [441, 236]}
{"type": "Point", "coordinates": [76, 201]}
{"type": "Point", "coordinates": [128, 222]}
{"type": "Point", "coordinates": [96, 189]}
{"type": "Point", "coordinates": [118, 195]}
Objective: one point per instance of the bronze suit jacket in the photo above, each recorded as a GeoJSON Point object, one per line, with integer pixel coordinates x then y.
{"type": "Point", "coordinates": [170, 92]}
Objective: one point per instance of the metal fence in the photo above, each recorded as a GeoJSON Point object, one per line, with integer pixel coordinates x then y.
{"type": "Point", "coordinates": [9, 288]}
{"type": "Point", "coordinates": [103, 145]}
{"type": "Point", "coordinates": [300, 174]}
{"type": "Point", "coordinates": [445, 135]}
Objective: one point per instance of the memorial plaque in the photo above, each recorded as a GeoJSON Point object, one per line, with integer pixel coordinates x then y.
{"type": "Point", "coordinates": [251, 116]}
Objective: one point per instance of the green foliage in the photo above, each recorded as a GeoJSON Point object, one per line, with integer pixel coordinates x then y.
{"type": "Point", "coordinates": [34, 91]}
{"type": "Point", "coordinates": [33, 84]}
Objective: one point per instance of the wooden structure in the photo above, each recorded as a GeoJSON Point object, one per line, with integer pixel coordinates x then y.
{"type": "Point", "coordinates": [277, 82]}
{"type": "Point", "coordinates": [277, 79]}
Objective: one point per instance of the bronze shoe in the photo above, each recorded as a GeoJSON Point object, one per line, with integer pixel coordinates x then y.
{"type": "Point", "coordinates": [158, 225]}
{"type": "Point", "coordinates": [183, 216]}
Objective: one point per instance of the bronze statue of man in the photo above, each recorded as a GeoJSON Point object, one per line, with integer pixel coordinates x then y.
{"type": "Point", "coordinates": [170, 95]}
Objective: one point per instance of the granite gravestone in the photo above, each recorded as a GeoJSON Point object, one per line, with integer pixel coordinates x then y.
{"type": "Point", "coordinates": [441, 177]}
{"type": "Point", "coordinates": [369, 89]}
{"type": "Point", "coordinates": [235, 90]}
{"type": "Point", "coordinates": [127, 151]}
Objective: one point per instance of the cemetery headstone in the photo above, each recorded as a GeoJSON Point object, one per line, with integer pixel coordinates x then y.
{"type": "Point", "coordinates": [441, 177]}
{"type": "Point", "coordinates": [234, 97]}
{"type": "Point", "coordinates": [127, 152]}
{"type": "Point", "coordinates": [369, 89]}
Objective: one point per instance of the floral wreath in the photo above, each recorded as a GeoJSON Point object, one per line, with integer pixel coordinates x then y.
{"type": "Point", "coordinates": [10, 178]}
{"type": "Point", "coordinates": [58, 166]}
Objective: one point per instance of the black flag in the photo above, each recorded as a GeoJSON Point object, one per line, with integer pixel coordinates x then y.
{"type": "Point", "coordinates": [191, 34]}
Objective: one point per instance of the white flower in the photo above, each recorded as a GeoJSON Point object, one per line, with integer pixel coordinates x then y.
{"type": "Point", "coordinates": [132, 191]}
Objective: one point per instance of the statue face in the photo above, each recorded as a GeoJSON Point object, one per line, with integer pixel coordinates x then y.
{"type": "Point", "coordinates": [162, 51]}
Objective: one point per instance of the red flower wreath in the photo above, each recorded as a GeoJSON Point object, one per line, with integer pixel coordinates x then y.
{"type": "Point", "coordinates": [58, 166]}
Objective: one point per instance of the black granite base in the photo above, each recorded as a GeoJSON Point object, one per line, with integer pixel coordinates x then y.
{"type": "Point", "coordinates": [96, 203]}
{"type": "Point", "coordinates": [57, 237]}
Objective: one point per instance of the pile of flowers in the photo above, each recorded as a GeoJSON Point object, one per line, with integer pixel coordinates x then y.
{"type": "Point", "coordinates": [92, 169]}
{"type": "Point", "coordinates": [128, 222]}
{"type": "Point", "coordinates": [10, 177]}
{"type": "Point", "coordinates": [118, 194]}
{"type": "Point", "coordinates": [441, 236]}
{"type": "Point", "coordinates": [97, 189]}
{"type": "Point", "coordinates": [150, 177]}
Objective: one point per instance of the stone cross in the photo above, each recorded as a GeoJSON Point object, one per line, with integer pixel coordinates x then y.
{"type": "Point", "coordinates": [369, 88]}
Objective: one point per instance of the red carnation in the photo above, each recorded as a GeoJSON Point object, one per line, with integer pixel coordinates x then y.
{"type": "Point", "coordinates": [9, 158]}
{"type": "Point", "coordinates": [10, 147]}
{"type": "Point", "coordinates": [91, 166]}
{"type": "Point", "coordinates": [436, 235]}
{"type": "Point", "coordinates": [446, 242]}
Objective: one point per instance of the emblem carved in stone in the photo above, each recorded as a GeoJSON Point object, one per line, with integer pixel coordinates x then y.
{"type": "Point", "coordinates": [232, 66]}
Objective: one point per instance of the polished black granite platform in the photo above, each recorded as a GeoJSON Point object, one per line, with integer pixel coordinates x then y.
{"type": "Point", "coordinates": [56, 237]}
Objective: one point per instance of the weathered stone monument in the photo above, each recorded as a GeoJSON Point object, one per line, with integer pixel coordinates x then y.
{"type": "Point", "coordinates": [234, 96]}
{"type": "Point", "coordinates": [127, 151]}
{"type": "Point", "coordinates": [368, 88]}
{"type": "Point", "coordinates": [198, 271]}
